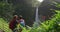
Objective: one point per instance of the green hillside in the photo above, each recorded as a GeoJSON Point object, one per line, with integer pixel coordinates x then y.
{"type": "Point", "coordinates": [4, 25]}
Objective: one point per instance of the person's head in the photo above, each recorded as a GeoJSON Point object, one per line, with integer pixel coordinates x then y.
{"type": "Point", "coordinates": [15, 17]}
{"type": "Point", "coordinates": [20, 17]}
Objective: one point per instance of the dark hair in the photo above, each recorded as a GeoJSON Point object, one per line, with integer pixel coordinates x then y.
{"type": "Point", "coordinates": [20, 17]}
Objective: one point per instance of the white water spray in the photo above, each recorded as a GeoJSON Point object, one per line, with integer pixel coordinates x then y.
{"type": "Point", "coordinates": [36, 17]}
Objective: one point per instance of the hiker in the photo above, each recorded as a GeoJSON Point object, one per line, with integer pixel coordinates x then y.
{"type": "Point", "coordinates": [22, 22]}
{"type": "Point", "coordinates": [13, 23]}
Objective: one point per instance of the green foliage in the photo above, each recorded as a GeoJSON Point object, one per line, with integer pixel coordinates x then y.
{"type": "Point", "coordinates": [6, 10]}
{"type": "Point", "coordinates": [4, 25]}
{"type": "Point", "coordinates": [58, 5]}
{"type": "Point", "coordinates": [52, 25]}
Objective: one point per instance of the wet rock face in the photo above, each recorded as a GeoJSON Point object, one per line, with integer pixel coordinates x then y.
{"type": "Point", "coordinates": [44, 9]}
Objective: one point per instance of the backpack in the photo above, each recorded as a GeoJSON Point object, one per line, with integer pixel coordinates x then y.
{"type": "Point", "coordinates": [12, 24]}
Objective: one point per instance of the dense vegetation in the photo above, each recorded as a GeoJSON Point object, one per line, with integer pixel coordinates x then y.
{"type": "Point", "coordinates": [16, 7]}
{"type": "Point", "coordinates": [8, 9]}
{"type": "Point", "coordinates": [4, 25]}
{"type": "Point", "coordinates": [52, 25]}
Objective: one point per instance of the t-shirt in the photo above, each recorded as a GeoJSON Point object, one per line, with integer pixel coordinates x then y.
{"type": "Point", "coordinates": [22, 22]}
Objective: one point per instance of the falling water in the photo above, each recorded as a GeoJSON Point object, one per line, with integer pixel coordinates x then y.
{"type": "Point", "coordinates": [36, 18]}
{"type": "Point", "coordinates": [36, 24]}
{"type": "Point", "coordinates": [37, 21]}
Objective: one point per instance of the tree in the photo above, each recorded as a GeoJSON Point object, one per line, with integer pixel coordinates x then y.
{"type": "Point", "coordinates": [6, 10]}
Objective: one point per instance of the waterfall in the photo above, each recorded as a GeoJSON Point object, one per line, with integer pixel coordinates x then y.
{"type": "Point", "coordinates": [36, 23]}
{"type": "Point", "coordinates": [36, 17]}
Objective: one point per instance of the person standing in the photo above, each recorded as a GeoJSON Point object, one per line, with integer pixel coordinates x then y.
{"type": "Point", "coordinates": [22, 22]}
{"type": "Point", "coordinates": [13, 23]}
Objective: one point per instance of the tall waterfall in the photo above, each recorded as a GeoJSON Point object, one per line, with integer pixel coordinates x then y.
{"type": "Point", "coordinates": [36, 17]}
{"type": "Point", "coordinates": [36, 23]}
{"type": "Point", "coordinates": [36, 5]}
